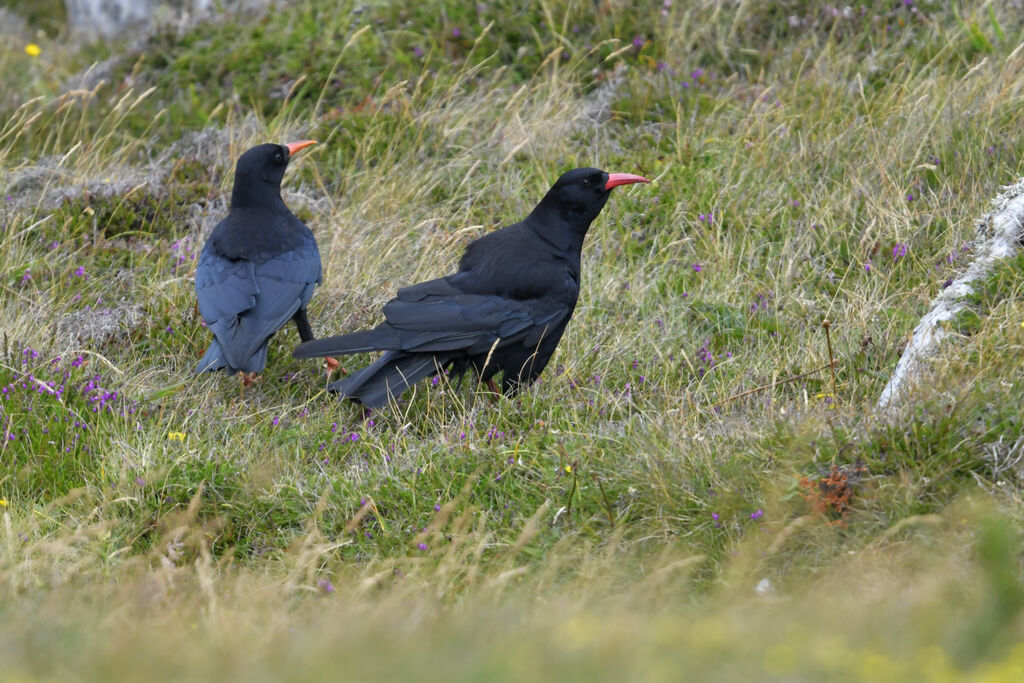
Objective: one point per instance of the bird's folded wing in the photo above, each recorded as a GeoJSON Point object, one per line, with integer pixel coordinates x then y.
{"type": "Point", "coordinates": [435, 322]}
{"type": "Point", "coordinates": [224, 287]}
{"type": "Point", "coordinates": [440, 287]}
{"type": "Point", "coordinates": [245, 302]}
{"type": "Point", "coordinates": [467, 321]}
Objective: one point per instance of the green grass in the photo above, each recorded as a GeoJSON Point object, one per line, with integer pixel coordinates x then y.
{"type": "Point", "coordinates": [688, 441]}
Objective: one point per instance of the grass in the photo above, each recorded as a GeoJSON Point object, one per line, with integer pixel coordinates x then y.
{"type": "Point", "coordinates": [688, 442]}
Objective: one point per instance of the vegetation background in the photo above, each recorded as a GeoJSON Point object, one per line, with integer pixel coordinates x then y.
{"type": "Point", "coordinates": [688, 492]}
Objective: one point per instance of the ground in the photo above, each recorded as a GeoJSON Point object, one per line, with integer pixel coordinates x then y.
{"type": "Point", "coordinates": [689, 488]}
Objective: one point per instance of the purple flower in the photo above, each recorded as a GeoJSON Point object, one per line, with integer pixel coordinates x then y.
{"type": "Point", "coordinates": [139, 481]}
{"type": "Point", "coordinates": [416, 50]}
{"type": "Point", "coordinates": [696, 267]}
{"type": "Point", "coordinates": [26, 276]}
{"type": "Point", "coordinates": [685, 84]}
{"type": "Point", "coordinates": [867, 266]}
{"type": "Point", "coordinates": [80, 271]}
{"type": "Point", "coordinates": [437, 507]}
{"type": "Point", "coordinates": [276, 420]}
{"type": "Point", "coordinates": [898, 251]}
{"type": "Point", "coordinates": [697, 73]}
{"type": "Point", "coordinates": [638, 41]}
{"type": "Point", "coordinates": [910, 196]}
{"type": "Point", "coordinates": [456, 33]}
{"type": "Point", "coordinates": [325, 586]}
{"type": "Point", "coordinates": [422, 546]}
{"type": "Point", "coordinates": [757, 514]}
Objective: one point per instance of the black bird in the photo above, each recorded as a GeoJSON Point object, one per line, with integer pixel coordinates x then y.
{"type": "Point", "coordinates": [504, 310]}
{"type": "Point", "coordinates": [258, 268]}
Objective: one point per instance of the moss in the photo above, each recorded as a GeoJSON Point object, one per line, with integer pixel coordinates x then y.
{"type": "Point", "coordinates": [159, 211]}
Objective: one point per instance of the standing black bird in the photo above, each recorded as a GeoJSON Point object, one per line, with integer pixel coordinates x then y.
{"type": "Point", "coordinates": [504, 310]}
{"type": "Point", "coordinates": [258, 268]}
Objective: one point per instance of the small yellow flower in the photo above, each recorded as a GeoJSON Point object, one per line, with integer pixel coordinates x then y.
{"type": "Point", "coordinates": [175, 436]}
{"type": "Point", "coordinates": [568, 469]}
{"type": "Point", "coordinates": [33, 50]}
{"type": "Point", "coordinates": [3, 502]}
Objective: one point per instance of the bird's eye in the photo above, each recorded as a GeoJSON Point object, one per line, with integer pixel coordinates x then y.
{"type": "Point", "coordinates": [278, 157]}
{"type": "Point", "coordinates": [585, 182]}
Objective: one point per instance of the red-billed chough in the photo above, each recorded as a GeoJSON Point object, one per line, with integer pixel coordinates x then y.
{"type": "Point", "coordinates": [504, 310]}
{"type": "Point", "coordinates": [258, 268]}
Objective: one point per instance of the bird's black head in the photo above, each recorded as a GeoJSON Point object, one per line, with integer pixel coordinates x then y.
{"type": "Point", "coordinates": [259, 171]}
{"type": "Point", "coordinates": [576, 198]}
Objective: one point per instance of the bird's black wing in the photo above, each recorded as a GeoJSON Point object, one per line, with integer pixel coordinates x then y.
{"type": "Point", "coordinates": [435, 317]}
{"type": "Point", "coordinates": [245, 301]}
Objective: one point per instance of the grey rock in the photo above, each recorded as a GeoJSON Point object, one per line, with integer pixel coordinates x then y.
{"type": "Point", "coordinates": [112, 18]}
{"type": "Point", "coordinates": [96, 327]}
{"type": "Point", "coordinates": [13, 26]}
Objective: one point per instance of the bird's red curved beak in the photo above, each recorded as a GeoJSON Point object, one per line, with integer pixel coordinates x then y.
{"type": "Point", "coordinates": [616, 179]}
{"type": "Point", "coordinates": [294, 147]}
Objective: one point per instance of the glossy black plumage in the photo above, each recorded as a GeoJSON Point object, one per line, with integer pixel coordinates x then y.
{"type": "Point", "coordinates": [258, 268]}
{"type": "Point", "coordinates": [503, 311]}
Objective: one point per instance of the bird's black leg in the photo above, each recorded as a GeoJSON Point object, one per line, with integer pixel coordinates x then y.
{"type": "Point", "coordinates": [305, 331]}
{"type": "Point", "coordinates": [306, 334]}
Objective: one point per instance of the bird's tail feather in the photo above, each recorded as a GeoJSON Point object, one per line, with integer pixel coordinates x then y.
{"type": "Point", "coordinates": [213, 359]}
{"type": "Point", "coordinates": [379, 338]}
{"type": "Point", "coordinates": [387, 377]}
{"type": "Point", "coordinates": [216, 359]}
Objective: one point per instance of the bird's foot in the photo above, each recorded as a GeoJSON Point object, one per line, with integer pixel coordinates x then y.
{"type": "Point", "coordinates": [249, 378]}
{"type": "Point", "coordinates": [332, 364]}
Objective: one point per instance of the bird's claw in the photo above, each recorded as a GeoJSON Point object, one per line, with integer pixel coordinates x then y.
{"type": "Point", "coordinates": [331, 364]}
